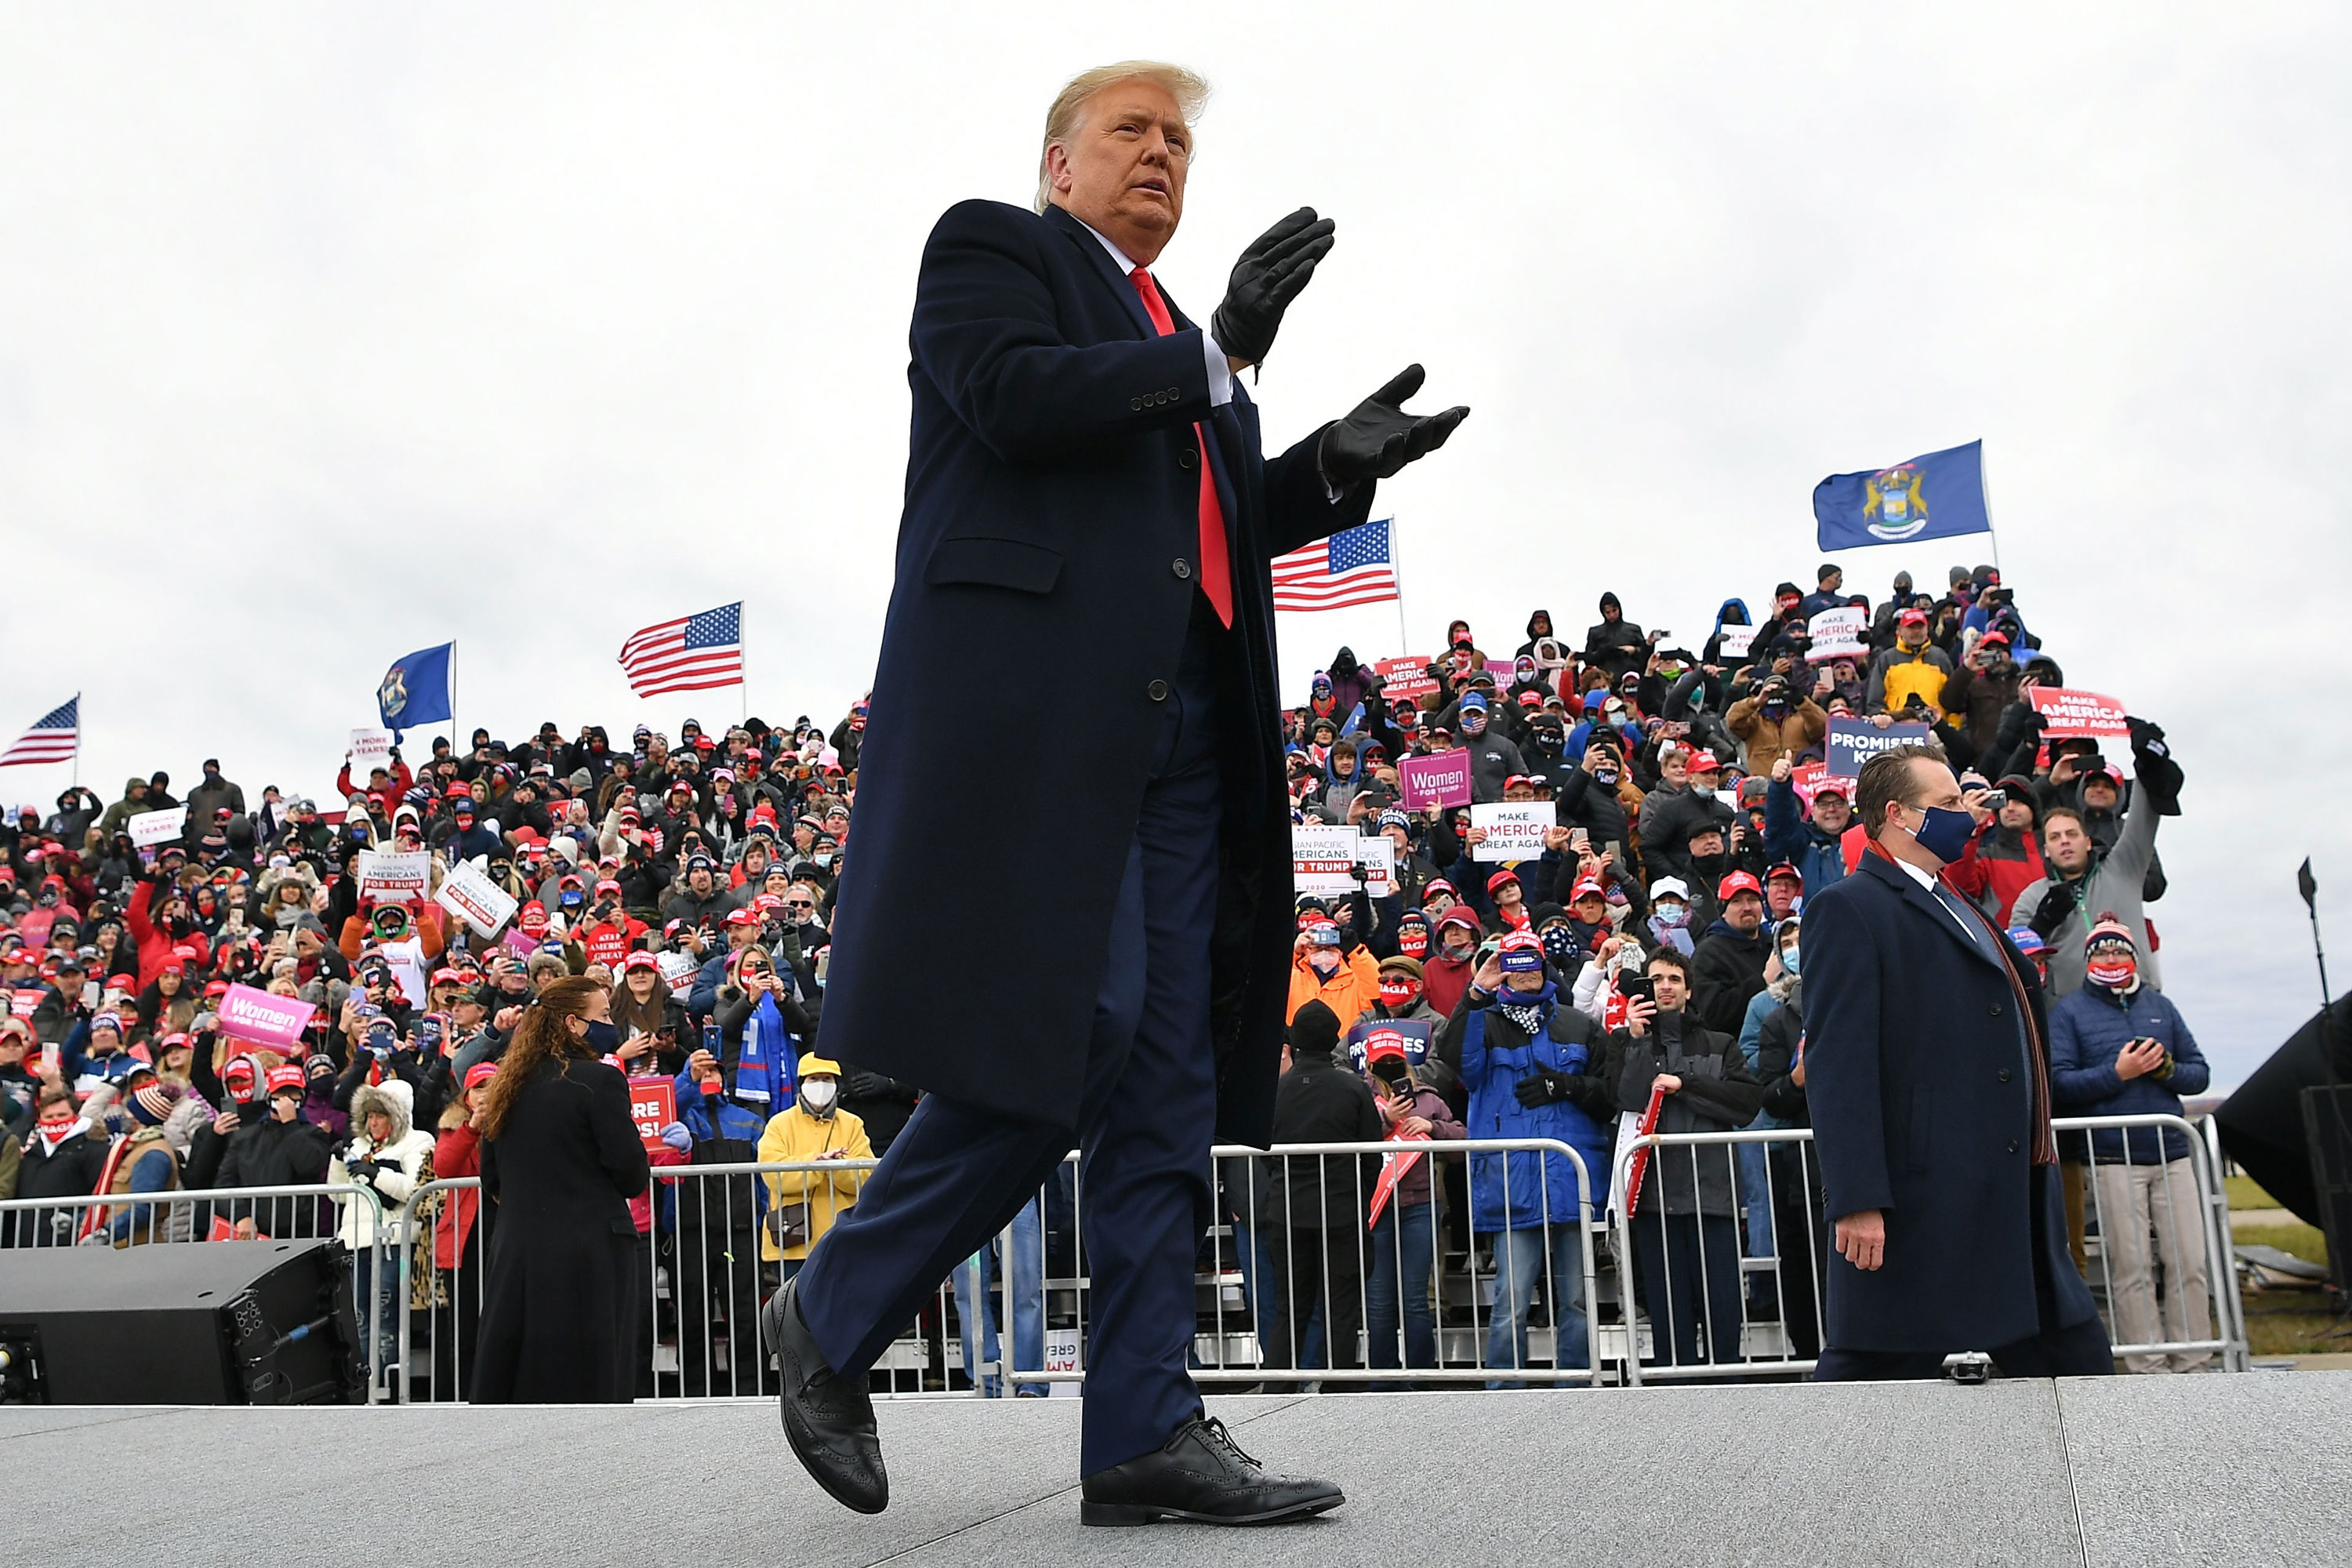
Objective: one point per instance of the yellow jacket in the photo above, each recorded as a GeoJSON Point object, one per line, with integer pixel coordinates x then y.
{"type": "Point", "coordinates": [795, 1135]}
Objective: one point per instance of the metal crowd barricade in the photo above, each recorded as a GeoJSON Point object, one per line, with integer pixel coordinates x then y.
{"type": "Point", "coordinates": [186, 1218]}
{"type": "Point", "coordinates": [704, 1269]}
{"type": "Point", "coordinates": [1014, 1318]}
{"type": "Point", "coordinates": [1732, 1270]}
{"type": "Point", "coordinates": [1295, 1285]}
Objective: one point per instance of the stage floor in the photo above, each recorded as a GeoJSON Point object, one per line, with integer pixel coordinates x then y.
{"type": "Point", "coordinates": [2220, 1469]}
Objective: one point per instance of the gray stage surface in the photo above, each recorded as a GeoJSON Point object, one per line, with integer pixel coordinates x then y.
{"type": "Point", "coordinates": [2220, 1469]}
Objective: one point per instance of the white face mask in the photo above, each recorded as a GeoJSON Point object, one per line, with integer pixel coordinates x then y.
{"type": "Point", "coordinates": [818, 1095]}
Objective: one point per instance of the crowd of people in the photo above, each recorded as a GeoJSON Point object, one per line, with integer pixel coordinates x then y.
{"type": "Point", "coordinates": [1652, 950]}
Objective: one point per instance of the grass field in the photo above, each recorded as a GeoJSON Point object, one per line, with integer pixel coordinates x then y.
{"type": "Point", "coordinates": [2284, 1322]}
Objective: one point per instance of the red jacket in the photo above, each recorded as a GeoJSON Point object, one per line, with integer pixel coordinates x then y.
{"type": "Point", "coordinates": [155, 945]}
{"type": "Point", "coordinates": [2004, 875]}
{"type": "Point", "coordinates": [402, 778]}
{"type": "Point", "coordinates": [456, 1153]}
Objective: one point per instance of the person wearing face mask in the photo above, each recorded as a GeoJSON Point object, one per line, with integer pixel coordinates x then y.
{"type": "Point", "coordinates": [162, 921]}
{"type": "Point", "coordinates": [1533, 1068]}
{"type": "Point", "coordinates": [813, 1130]}
{"type": "Point", "coordinates": [1329, 966]}
{"type": "Point", "coordinates": [1775, 721]}
{"type": "Point", "coordinates": [279, 1150]}
{"type": "Point", "coordinates": [1401, 995]}
{"type": "Point", "coordinates": [60, 1155]}
{"type": "Point", "coordinates": [1927, 1075]}
{"type": "Point", "coordinates": [1589, 794]}
{"type": "Point", "coordinates": [1492, 758]}
{"type": "Point", "coordinates": [1453, 959]}
{"type": "Point", "coordinates": [561, 1159]}
{"type": "Point", "coordinates": [2120, 1047]}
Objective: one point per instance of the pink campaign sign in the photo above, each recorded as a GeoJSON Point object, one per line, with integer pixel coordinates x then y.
{"type": "Point", "coordinates": [262, 1018]}
{"type": "Point", "coordinates": [1436, 781]}
{"type": "Point", "coordinates": [2068, 712]}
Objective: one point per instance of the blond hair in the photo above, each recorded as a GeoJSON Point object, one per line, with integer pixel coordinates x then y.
{"type": "Point", "coordinates": [1187, 88]}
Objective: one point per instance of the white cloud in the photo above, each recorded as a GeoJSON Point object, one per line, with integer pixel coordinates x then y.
{"type": "Point", "coordinates": [329, 336]}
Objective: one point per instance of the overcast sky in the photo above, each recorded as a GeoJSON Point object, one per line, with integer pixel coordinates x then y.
{"type": "Point", "coordinates": [330, 333]}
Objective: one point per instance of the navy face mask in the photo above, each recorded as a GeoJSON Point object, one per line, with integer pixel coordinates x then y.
{"type": "Point", "coordinates": [1945, 834]}
{"type": "Point", "coordinates": [603, 1038]}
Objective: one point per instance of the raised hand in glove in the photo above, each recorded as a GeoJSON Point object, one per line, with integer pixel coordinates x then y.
{"type": "Point", "coordinates": [1379, 437]}
{"type": "Point", "coordinates": [2152, 763]}
{"type": "Point", "coordinates": [1267, 278]}
{"type": "Point", "coordinates": [1541, 1087]}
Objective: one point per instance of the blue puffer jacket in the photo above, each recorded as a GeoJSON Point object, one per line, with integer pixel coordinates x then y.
{"type": "Point", "coordinates": [1495, 1055]}
{"type": "Point", "coordinates": [2089, 1027]}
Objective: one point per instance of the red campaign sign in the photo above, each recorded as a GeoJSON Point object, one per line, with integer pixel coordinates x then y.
{"type": "Point", "coordinates": [1407, 678]}
{"type": "Point", "coordinates": [653, 1105]}
{"type": "Point", "coordinates": [1393, 1170]}
{"type": "Point", "coordinates": [2066, 711]}
{"type": "Point", "coordinates": [25, 1004]}
{"type": "Point", "coordinates": [1431, 782]}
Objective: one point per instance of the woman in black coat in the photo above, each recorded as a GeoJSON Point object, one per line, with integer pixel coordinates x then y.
{"type": "Point", "coordinates": [561, 1159]}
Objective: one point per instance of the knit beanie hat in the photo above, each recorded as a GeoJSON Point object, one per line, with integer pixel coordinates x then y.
{"type": "Point", "coordinates": [152, 1105]}
{"type": "Point", "coordinates": [2108, 928]}
{"type": "Point", "coordinates": [1314, 1031]}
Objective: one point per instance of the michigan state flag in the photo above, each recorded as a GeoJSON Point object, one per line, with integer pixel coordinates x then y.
{"type": "Point", "coordinates": [1932, 497]}
{"type": "Point", "coordinates": [416, 689]}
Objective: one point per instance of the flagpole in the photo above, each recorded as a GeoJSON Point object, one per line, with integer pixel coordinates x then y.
{"type": "Point", "coordinates": [1396, 565]}
{"type": "Point", "coordinates": [742, 669]}
{"type": "Point", "coordinates": [76, 756]}
{"type": "Point", "coordinates": [1984, 495]}
{"type": "Point", "coordinates": [453, 699]}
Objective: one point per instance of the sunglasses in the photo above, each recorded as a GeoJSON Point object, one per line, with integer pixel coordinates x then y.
{"type": "Point", "coordinates": [798, 904]}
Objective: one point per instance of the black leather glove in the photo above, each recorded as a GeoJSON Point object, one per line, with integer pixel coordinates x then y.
{"type": "Point", "coordinates": [1267, 278]}
{"type": "Point", "coordinates": [2153, 765]}
{"type": "Point", "coordinates": [2057, 908]}
{"type": "Point", "coordinates": [1541, 1087]}
{"type": "Point", "coordinates": [1379, 437]}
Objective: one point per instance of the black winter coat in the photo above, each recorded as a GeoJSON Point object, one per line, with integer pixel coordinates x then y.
{"type": "Point", "coordinates": [1718, 1094]}
{"type": "Point", "coordinates": [1321, 1102]}
{"type": "Point", "coordinates": [1727, 971]}
{"type": "Point", "coordinates": [1043, 403]}
{"type": "Point", "coordinates": [274, 1153]}
{"type": "Point", "coordinates": [561, 1305]}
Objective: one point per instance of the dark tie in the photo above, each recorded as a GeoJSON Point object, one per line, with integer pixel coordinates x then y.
{"type": "Point", "coordinates": [1216, 568]}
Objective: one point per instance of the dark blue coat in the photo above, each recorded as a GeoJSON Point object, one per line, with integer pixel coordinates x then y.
{"type": "Point", "coordinates": [1051, 534]}
{"type": "Point", "coordinates": [1918, 1082]}
{"type": "Point", "coordinates": [2089, 1028]}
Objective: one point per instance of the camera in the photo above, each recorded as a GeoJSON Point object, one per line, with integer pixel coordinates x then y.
{"type": "Point", "coordinates": [1994, 799]}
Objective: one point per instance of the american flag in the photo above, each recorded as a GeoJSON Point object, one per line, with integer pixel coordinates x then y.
{"type": "Point", "coordinates": [692, 653]}
{"type": "Point", "coordinates": [1351, 567]}
{"type": "Point", "coordinates": [54, 737]}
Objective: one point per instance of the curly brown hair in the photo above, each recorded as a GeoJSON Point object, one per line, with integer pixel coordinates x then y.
{"type": "Point", "coordinates": [539, 1036]}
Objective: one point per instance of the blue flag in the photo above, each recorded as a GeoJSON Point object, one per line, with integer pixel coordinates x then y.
{"type": "Point", "coordinates": [416, 689]}
{"type": "Point", "coordinates": [1932, 497]}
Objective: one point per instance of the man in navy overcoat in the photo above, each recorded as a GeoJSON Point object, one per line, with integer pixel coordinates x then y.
{"type": "Point", "coordinates": [1088, 509]}
{"type": "Point", "coordinates": [1924, 1067]}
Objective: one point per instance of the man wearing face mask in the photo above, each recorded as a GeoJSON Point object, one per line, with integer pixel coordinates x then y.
{"type": "Point", "coordinates": [2118, 1048]}
{"type": "Point", "coordinates": [1927, 1075]}
{"type": "Point", "coordinates": [1492, 758]}
{"type": "Point", "coordinates": [1330, 966]}
{"type": "Point", "coordinates": [802, 1205]}
{"type": "Point", "coordinates": [1533, 1068]}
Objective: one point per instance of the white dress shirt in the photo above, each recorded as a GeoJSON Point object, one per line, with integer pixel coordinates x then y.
{"type": "Point", "coordinates": [1220, 374]}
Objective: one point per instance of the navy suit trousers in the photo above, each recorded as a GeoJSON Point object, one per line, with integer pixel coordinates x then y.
{"type": "Point", "coordinates": [957, 1174]}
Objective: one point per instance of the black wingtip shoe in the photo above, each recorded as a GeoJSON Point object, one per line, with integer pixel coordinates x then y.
{"type": "Point", "coordinates": [1200, 1474]}
{"type": "Point", "coordinates": [828, 1419]}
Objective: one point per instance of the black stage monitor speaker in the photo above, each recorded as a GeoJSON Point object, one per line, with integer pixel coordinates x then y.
{"type": "Point", "coordinates": [223, 1322]}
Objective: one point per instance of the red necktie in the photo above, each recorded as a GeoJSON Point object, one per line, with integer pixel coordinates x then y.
{"type": "Point", "coordinates": [1216, 568]}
